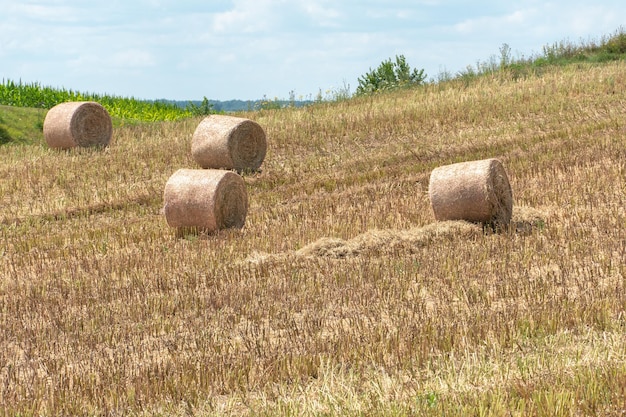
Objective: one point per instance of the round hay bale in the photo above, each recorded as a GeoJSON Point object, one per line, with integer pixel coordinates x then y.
{"type": "Point", "coordinates": [475, 191]}
{"type": "Point", "coordinates": [227, 142]}
{"type": "Point", "coordinates": [205, 200]}
{"type": "Point", "coordinates": [79, 123]}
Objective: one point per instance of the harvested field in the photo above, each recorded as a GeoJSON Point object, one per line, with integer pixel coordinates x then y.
{"type": "Point", "coordinates": [341, 294]}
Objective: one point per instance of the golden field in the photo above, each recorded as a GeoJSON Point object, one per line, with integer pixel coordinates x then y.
{"type": "Point", "coordinates": [341, 295]}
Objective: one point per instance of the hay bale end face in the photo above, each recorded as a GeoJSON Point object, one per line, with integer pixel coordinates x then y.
{"type": "Point", "coordinates": [205, 200]}
{"type": "Point", "coordinates": [475, 191]}
{"type": "Point", "coordinates": [227, 142]}
{"type": "Point", "coordinates": [80, 123]}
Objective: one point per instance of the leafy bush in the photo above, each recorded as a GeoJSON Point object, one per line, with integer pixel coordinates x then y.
{"type": "Point", "coordinates": [617, 43]}
{"type": "Point", "coordinates": [390, 75]}
{"type": "Point", "coordinates": [203, 109]}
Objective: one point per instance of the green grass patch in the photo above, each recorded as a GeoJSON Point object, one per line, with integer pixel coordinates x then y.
{"type": "Point", "coordinates": [562, 53]}
{"type": "Point", "coordinates": [21, 125]}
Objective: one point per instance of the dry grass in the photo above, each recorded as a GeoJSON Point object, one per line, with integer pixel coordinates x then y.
{"type": "Point", "coordinates": [105, 312]}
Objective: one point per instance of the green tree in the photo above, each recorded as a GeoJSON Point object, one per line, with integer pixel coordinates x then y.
{"type": "Point", "coordinates": [390, 75]}
{"type": "Point", "coordinates": [204, 109]}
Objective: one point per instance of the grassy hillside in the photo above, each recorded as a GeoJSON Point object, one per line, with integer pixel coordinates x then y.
{"type": "Point", "coordinates": [21, 125]}
{"type": "Point", "coordinates": [341, 295]}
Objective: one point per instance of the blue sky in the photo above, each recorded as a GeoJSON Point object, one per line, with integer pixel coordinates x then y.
{"type": "Point", "coordinates": [247, 49]}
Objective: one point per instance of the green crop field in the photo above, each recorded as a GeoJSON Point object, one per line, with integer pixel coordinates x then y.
{"type": "Point", "coordinates": [127, 109]}
{"type": "Point", "coordinates": [341, 295]}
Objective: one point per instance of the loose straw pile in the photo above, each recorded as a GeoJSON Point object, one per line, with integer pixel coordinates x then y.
{"type": "Point", "coordinates": [205, 200]}
{"type": "Point", "coordinates": [81, 123]}
{"type": "Point", "coordinates": [227, 142]}
{"type": "Point", "coordinates": [475, 191]}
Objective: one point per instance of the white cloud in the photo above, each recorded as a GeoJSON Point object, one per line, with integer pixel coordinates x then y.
{"type": "Point", "coordinates": [247, 48]}
{"type": "Point", "coordinates": [490, 24]}
{"type": "Point", "coordinates": [133, 58]}
{"type": "Point", "coordinates": [321, 13]}
{"type": "Point", "coordinates": [227, 58]}
{"type": "Point", "coordinates": [247, 16]}
{"type": "Point", "coordinates": [541, 20]}
{"type": "Point", "coordinates": [593, 19]}
{"type": "Point", "coordinates": [42, 12]}
{"type": "Point", "coordinates": [119, 62]}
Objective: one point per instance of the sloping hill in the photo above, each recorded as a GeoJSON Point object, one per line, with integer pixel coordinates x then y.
{"type": "Point", "coordinates": [341, 295]}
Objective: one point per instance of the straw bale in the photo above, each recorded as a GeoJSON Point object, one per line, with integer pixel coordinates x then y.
{"type": "Point", "coordinates": [205, 200]}
{"type": "Point", "coordinates": [227, 142]}
{"type": "Point", "coordinates": [475, 191]}
{"type": "Point", "coordinates": [81, 123]}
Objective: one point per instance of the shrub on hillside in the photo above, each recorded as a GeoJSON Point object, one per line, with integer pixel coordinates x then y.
{"type": "Point", "coordinates": [390, 75]}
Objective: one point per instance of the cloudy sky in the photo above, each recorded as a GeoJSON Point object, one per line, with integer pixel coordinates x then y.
{"type": "Point", "coordinates": [247, 49]}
